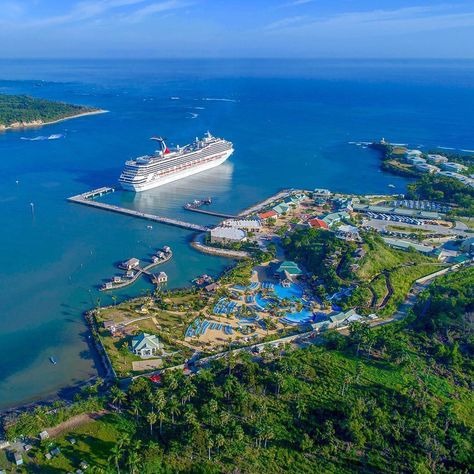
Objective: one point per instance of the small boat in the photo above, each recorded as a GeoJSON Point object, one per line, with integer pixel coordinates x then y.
{"type": "Point", "coordinates": [149, 227]}
{"type": "Point", "coordinates": [53, 360]}
{"type": "Point", "coordinates": [391, 185]}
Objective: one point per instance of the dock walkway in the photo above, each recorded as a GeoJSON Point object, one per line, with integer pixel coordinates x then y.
{"type": "Point", "coordinates": [87, 199]}
{"type": "Point", "coordinates": [140, 271]}
{"type": "Point", "coordinates": [210, 213]}
{"type": "Point", "coordinates": [259, 206]}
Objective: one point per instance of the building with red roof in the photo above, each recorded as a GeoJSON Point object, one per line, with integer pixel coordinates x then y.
{"type": "Point", "coordinates": [318, 224]}
{"type": "Point", "coordinates": [267, 215]}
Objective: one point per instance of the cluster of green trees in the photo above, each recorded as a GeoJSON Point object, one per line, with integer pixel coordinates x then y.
{"type": "Point", "coordinates": [377, 400]}
{"type": "Point", "coordinates": [444, 189]}
{"type": "Point", "coordinates": [445, 313]}
{"type": "Point", "coordinates": [22, 108]}
{"type": "Point", "coordinates": [324, 255]}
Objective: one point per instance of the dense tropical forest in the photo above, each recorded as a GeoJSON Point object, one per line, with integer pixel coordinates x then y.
{"type": "Point", "coordinates": [24, 109]}
{"type": "Point", "coordinates": [444, 189]}
{"type": "Point", "coordinates": [397, 398]}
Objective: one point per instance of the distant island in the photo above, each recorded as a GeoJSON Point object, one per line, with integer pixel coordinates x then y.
{"type": "Point", "coordinates": [19, 111]}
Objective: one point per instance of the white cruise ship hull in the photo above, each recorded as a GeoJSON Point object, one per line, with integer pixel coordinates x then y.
{"type": "Point", "coordinates": [154, 183]}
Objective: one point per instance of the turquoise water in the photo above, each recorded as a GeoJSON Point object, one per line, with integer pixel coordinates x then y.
{"type": "Point", "coordinates": [291, 123]}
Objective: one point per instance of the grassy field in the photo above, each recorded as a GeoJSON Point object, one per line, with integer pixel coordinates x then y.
{"type": "Point", "coordinates": [380, 288]}
{"type": "Point", "coordinates": [93, 444]}
{"type": "Point", "coordinates": [170, 327]}
{"type": "Point", "coordinates": [381, 257]}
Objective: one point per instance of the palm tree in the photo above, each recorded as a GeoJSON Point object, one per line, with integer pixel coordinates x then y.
{"type": "Point", "coordinates": [220, 441]}
{"type": "Point", "coordinates": [117, 396]}
{"type": "Point", "coordinates": [161, 417]}
{"type": "Point", "coordinates": [116, 454]}
{"type": "Point", "coordinates": [151, 418]}
{"type": "Point", "coordinates": [133, 461]}
{"type": "Point", "coordinates": [210, 445]}
{"type": "Point", "coordinates": [173, 408]}
{"type": "Point", "coordinates": [136, 407]}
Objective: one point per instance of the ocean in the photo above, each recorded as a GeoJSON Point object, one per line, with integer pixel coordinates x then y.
{"type": "Point", "coordinates": [291, 123]}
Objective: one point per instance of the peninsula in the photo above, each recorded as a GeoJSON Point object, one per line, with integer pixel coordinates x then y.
{"type": "Point", "coordinates": [19, 111]}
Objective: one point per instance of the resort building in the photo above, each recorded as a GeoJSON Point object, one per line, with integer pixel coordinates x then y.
{"type": "Point", "coordinates": [413, 153]}
{"type": "Point", "coordinates": [317, 224]}
{"type": "Point", "coordinates": [335, 217]}
{"type": "Point", "coordinates": [451, 166]}
{"type": "Point", "coordinates": [437, 159]}
{"type": "Point", "coordinates": [426, 168]}
{"type": "Point", "coordinates": [348, 233]}
{"type": "Point", "coordinates": [264, 216]}
{"type": "Point", "coordinates": [249, 225]}
{"type": "Point", "coordinates": [131, 264]}
{"type": "Point", "coordinates": [343, 204]}
{"type": "Point", "coordinates": [288, 271]}
{"type": "Point", "coordinates": [322, 192]}
{"type": "Point", "coordinates": [166, 249]}
{"type": "Point", "coordinates": [146, 345]}
{"type": "Point", "coordinates": [281, 208]}
{"type": "Point", "coordinates": [407, 245]}
{"type": "Point", "coordinates": [415, 160]}
{"type": "Point", "coordinates": [225, 235]}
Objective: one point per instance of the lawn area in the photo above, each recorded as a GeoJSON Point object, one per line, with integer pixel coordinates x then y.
{"type": "Point", "coordinates": [93, 444]}
{"type": "Point", "coordinates": [402, 279]}
{"type": "Point", "coordinates": [380, 288]}
{"type": "Point", "coordinates": [168, 325]}
{"type": "Point", "coordinates": [381, 257]}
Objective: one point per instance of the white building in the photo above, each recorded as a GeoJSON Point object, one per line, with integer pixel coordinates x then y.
{"type": "Point", "coordinates": [436, 159]}
{"type": "Point", "coordinates": [249, 225]}
{"type": "Point", "coordinates": [451, 166]}
{"type": "Point", "coordinates": [224, 235]}
{"type": "Point", "coordinates": [131, 264]}
{"type": "Point", "coordinates": [426, 168]}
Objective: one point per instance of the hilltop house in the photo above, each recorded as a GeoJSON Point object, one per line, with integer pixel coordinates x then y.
{"type": "Point", "coordinates": [146, 345]}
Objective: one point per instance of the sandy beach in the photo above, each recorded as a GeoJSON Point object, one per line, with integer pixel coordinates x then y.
{"type": "Point", "coordinates": [39, 123]}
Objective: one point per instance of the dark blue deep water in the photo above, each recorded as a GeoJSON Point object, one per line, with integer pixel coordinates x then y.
{"type": "Point", "coordinates": [291, 123]}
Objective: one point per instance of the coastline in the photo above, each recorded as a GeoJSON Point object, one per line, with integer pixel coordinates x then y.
{"type": "Point", "coordinates": [39, 123]}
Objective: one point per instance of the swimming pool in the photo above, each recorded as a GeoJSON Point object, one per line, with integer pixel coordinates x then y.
{"type": "Point", "coordinates": [293, 292]}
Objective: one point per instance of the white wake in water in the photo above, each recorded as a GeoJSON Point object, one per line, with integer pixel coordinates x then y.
{"type": "Point", "coordinates": [193, 115]}
{"type": "Point", "coordinates": [218, 99]}
{"type": "Point", "coordinates": [54, 136]}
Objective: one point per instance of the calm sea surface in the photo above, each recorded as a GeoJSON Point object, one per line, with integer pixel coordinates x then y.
{"type": "Point", "coordinates": [291, 123]}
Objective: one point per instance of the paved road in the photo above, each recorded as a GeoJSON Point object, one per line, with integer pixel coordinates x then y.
{"type": "Point", "coordinates": [380, 224]}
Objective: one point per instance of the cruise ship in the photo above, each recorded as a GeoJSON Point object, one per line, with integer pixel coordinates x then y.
{"type": "Point", "coordinates": [165, 165]}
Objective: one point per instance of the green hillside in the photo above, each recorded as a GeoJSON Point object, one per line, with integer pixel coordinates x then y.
{"type": "Point", "coordinates": [24, 109]}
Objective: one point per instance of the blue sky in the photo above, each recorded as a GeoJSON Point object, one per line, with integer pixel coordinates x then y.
{"type": "Point", "coordinates": [237, 28]}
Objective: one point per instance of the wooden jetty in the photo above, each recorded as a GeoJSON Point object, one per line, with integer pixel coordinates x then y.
{"type": "Point", "coordinates": [88, 200]}
{"type": "Point", "coordinates": [139, 272]}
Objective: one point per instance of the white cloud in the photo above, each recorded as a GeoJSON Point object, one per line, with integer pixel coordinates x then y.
{"type": "Point", "coordinates": [155, 8]}
{"type": "Point", "coordinates": [285, 23]}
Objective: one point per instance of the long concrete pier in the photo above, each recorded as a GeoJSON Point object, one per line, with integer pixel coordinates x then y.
{"type": "Point", "coordinates": [87, 199]}
{"type": "Point", "coordinates": [210, 213]}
